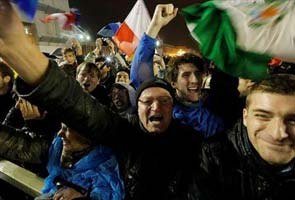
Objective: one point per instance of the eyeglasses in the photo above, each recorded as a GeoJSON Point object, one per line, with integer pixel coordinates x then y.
{"type": "Point", "coordinates": [163, 100]}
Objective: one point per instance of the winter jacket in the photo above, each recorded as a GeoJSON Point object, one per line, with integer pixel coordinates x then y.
{"type": "Point", "coordinates": [96, 173]}
{"type": "Point", "coordinates": [232, 169]}
{"type": "Point", "coordinates": [152, 166]}
{"type": "Point", "coordinates": [208, 118]}
{"type": "Point", "coordinates": [6, 102]}
{"type": "Point", "coordinates": [45, 128]}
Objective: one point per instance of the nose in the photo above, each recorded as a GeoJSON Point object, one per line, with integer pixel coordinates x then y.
{"type": "Point", "coordinates": [193, 78]}
{"type": "Point", "coordinates": [87, 77]}
{"type": "Point", "coordinates": [155, 105]}
{"type": "Point", "coordinates": [278, 129]}
{"type": "Point", "coordinates": [61, 132]}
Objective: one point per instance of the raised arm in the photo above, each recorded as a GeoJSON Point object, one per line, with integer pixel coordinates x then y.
{"type": "Point", "coordinates": [27, 61]}
{"type": "Point", "coordinates": [142, 63]}
{"type": "Point", "coordinates": [164, 13]}
{"type": "Point", "coordinates": [58, 94]}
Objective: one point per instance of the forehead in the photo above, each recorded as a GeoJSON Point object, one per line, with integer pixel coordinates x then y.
{"type": "Point", "coordinates": [122, 73]}
{"type": "Point", "coordinates": [87, 69]}
{"type": "Point", "coordinates": [154, 92]}
{"type": "Point", "coordinates": [69, 54]}
{"type": "Point", "coordinates": [187, 67]}
{"type": "Point", "coordinates": [116, 89]}
{"type": "Point", "coordinates": [271, 102]}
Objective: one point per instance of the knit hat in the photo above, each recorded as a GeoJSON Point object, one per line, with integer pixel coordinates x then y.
{"type": "Point", "coordinates": [156, 82]}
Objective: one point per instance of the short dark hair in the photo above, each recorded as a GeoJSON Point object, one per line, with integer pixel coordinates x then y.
{"type": "Point", "coordinates": [174, 63]}
{"type": "Point", "coordinates": [124, 69]}
{"type": "Point", "coordinates": [89, 66]}
{"type": "Point", "coordinates": [68, 50]}
{"type": "Point", "coordinates": [283, 84]}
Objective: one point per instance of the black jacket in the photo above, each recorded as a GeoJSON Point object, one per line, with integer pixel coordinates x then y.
{"type": "Point", "coordinates": [152, 166]}
{"type": "Point", "coordinates": [232, 169]}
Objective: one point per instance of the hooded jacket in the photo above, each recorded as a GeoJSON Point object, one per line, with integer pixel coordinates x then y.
{"type": "Point", "coordinates": [130, 111]}
{"type": "Point", "coordinates": [96, 173]}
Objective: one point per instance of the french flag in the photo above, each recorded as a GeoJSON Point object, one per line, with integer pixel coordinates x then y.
{"type": "Point", "coordinates": [132, 29]}
{"type": "Point", "coordinates": [64, 20]}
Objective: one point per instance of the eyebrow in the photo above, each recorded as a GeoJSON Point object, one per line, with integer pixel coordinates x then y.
{"type": "Point", "coordinates": [262, 111]}
{"type": "Point", "coordinates": [289, 115]}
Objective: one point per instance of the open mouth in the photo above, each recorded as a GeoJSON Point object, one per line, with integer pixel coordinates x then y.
{"type": "Point", "coordinates": [86, 85]}
{"type": "Point", "coordinates": [156, 118]}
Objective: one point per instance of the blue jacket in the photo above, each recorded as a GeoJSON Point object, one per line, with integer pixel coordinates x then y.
{"type": "Point", "coordinates": [97, 172]}
{"type": "Point", "coordinates": [197, 116]}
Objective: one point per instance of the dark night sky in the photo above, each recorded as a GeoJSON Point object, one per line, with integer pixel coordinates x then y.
{"type": "Point", "coordinates": [97, 13]}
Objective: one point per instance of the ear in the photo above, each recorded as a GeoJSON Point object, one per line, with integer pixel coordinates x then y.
{"type": "Point", "coordinates": [245, 116]}
{"type": "Point", "coordinates": [7, 79]}
{"type": "Point", "coordinates": [173, 84]}
{"type": "Point", "coordinates": [249, 84]}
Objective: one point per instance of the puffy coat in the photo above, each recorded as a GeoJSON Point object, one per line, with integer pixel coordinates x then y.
{"type": "Point", "coordinates": [153, 166]}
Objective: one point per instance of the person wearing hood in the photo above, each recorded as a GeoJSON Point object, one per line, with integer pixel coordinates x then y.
{"type": "Point", "coordinates": [123, 100]}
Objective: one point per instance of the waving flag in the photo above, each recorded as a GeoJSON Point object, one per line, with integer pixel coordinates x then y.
{"type": "Point", "coordinates": [64, 20]}
{"type": "Point", "coordinates": [29, 7]}
{"type": "Point", "coordinates": [109, 30]}
{"type": "Point", "coordinates": [131, 30]}
{"type": "Point", "coordinates": [242, 38]}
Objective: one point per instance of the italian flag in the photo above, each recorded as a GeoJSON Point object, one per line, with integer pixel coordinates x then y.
{"type": "Point", "coordinates": [242, 38]}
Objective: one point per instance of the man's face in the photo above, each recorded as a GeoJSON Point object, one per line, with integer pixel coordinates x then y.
{"type": "Point", "coordinates": [88, 79]}
{"type": "Point", "coordinates": [70, 58]}
{"type": "Point", "coordinates": [122, 77]}
{"type": "Point", "coordinates": [72, 141]}
{"type": "Point", "coordinates": [155, 109]}
{"type": "Point", "coordinates": [189, 82]}
{"type": "Point", "coordinates": [120, 98]}
{"type": "Point", "coordinates": [270, 122]}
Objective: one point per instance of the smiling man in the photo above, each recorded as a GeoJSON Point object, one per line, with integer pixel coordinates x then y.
{"type": "Point", "coordinates": [154, 151]}
{"type": "Point", "coordinates": [257, 160]}
{"type": "Point", "coordinates": [270, 120]}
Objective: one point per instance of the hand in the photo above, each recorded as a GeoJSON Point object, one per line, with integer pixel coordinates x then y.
{"type": "Point", "coordinates": [77, 46]}
{"type": "Point", "coordinates": [163, 14]}
{"type": "Point", "coordinates": [28, 61]}
{"type": "Point", "coordinates": [67, 193]}
{"type": "Point", "coordinates": [11, 27]}
{"type": "Point", "coordinates": [29, 111]}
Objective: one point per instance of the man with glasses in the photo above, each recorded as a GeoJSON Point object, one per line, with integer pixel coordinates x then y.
{"type": "Point", "coordinates": [185, 73]}
{"type": "Point", "coordinates": [154, 152]}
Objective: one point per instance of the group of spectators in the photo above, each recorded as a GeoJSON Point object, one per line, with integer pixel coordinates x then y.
{"type": "Point", "coordinates": [104, 130]}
